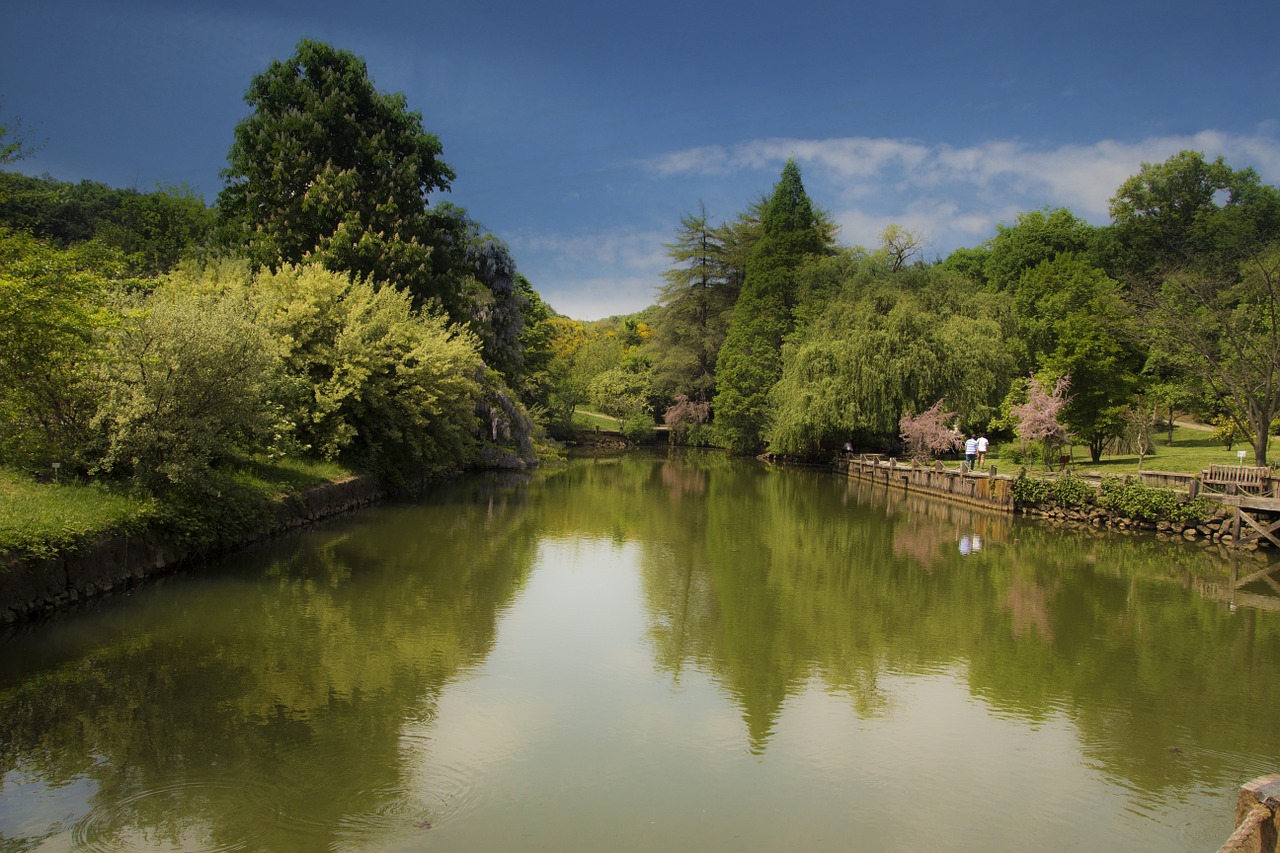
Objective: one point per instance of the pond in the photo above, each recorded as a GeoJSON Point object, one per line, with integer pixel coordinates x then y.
{"type": "Point", "coordinates": [651, 653]}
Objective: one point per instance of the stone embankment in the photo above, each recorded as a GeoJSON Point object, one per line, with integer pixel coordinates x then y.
{"type": "Point", "coordinates": [32, 588]}
{"type": "Point", "coordinates": [1219, 527]}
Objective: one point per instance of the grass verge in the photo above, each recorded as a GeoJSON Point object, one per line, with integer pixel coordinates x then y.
{"type": "Point", "coordinates": [39, 520]}
{"type": "Point", "coordinates": [1191, 452]}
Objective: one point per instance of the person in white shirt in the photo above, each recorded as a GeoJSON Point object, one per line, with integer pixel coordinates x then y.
{"type": "Point", "coordinates": [982, 451]}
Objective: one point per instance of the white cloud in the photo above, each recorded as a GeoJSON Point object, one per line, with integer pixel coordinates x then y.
{"type": "Point", "coordinates": [588, 276]}
{"type": "Point", "coordinates": [953, 195]}
{"type": "Point", "coordinates": [622, 249]}
{"type": "Point", "coordinates": [892, 180]}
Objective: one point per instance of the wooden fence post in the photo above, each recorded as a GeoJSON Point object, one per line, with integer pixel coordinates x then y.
{"type": "Point", "coordinates": [1256, 817]}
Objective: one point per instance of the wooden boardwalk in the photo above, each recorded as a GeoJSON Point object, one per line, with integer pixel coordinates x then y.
{"type": "Point", "coordinates": [985, 489]}
{"type": "Point", "coordinates": [1251, 492]}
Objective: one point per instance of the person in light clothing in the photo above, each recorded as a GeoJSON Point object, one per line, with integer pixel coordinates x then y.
{"type": "Point", "coordinates": [982, 451]}
{"type": "Point", "coordinates": [970, 451]}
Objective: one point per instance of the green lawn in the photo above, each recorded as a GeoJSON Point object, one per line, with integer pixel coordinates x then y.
{"type": "Point", "coordinates": [1192, 451]}
{"type": "Point", "coordinates": [586, 419]}
{"type": "Point", "coordinates": [41, 519]}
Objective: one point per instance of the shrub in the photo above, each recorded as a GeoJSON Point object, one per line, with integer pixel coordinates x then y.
{"type": "Point", "coordinates": [1067, 490]}
{"type": "Point", "coordinates": [1030, 490]}
{"type": "Point", "coordinates": [1022, 453]}
{"type": "Point", "coordinates": [186, 382]}
{"type": "Point", "coordinates": [1070, 490]}
{"type": "Point", "coordinates": [927, 435]}
{"type": "Point", "coordinates": [638, 429]}
{"type": "Point", "coordinates": [1133, 499]}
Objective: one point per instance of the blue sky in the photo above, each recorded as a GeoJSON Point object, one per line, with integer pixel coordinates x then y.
{"type": "Point", "coordinates": [581, 132]}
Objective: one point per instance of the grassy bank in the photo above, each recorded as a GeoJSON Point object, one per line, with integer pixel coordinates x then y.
{"type": "Point", "coordinates": [1192, 451]}
{"type": "Point", "coordinates": [44, 519]}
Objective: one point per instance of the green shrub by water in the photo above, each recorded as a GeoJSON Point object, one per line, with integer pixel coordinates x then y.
{"type": "Point", "coordinates": [1070, 490]}
{"type": "Point", "coordinates": [1123, 497]}
{"type": "Point", "coordinates": [1132, 499]}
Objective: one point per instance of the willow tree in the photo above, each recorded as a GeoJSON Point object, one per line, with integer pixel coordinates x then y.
{"type": "Point", "coordinates": [750, 362]}
{"type": "Point", "coordinates": [883, 350]}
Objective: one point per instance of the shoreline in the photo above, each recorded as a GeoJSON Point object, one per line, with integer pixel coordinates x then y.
{"type": "Point", "coordinates": [34, 589]}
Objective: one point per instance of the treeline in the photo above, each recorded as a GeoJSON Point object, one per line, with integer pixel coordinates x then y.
{"type": "Point", "coordinates": [324, 308]}
{"type": "Point", "coordinates": [770, 334]}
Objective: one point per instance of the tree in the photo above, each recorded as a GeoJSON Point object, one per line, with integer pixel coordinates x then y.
{"type": "Point", "coordinates": [1229, 339]}
{"type": "Point", "coordinates": [1190, 213]}
{"type": "Point", "coordinates": [929, 433]}
{"type": "Point", "coordinates": [1073, 321]}
{"type": "Point", "coordinates": [684, 416]}
{"type": "Point", "coordinates": [898, 246]}
{"type": "Point", "coordinates": [15, 145]}
{"type": "Point", "coordinates": [328, 166]}
{"type": "Point", "coordinates": [1037, 236]}
{"type": "Point", "coordinates": [52, 303]}
{"type": "Point", "coordinates": [152, 230]}
{"type": "Point", "coordinates": [1201, 256]}
{"type": "Point", "coordinates": [1039, 420]}
{"type": "Point", "coordinates": [497, 304]}
{"type": "Point", "coordinates": [883, 349]}
{"type": "Point", "coordinates": [750, 362]}
{"type": "Point", "coordinates": [695, 305]}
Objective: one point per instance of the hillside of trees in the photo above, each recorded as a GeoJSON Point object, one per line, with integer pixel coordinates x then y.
{"type": "Point", "coordinates": [329, 305]}
{"type": "Point", "coordinates": [769, 334]}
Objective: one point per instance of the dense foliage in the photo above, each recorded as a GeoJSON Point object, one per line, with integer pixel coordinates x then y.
{"type": "Point", "coordinates": [325, 310]}
{"type": "Point", "coordinates": [332, 316]}
{"type": "Point", "coordinates": [802, 346]}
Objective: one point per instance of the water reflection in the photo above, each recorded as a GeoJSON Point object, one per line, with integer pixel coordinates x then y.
{"type": "Point", "coordinates": [641, 633]}
{"type": "Point", "coordinates": [261, 707]}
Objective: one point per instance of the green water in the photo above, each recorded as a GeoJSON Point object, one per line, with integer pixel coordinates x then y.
{"type": "Point", "coordinates": [652, 654]}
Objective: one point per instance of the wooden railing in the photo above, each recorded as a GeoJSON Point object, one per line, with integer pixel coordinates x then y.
{"type": "Point", "coordinates": [975, 488]}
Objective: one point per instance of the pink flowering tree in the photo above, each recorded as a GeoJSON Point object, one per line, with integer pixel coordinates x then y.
{"type": "Point", "coordinates": [1038, 418]}
{"type": "Point", "coordinates": [685, 415]}
{"type": "Point", "coordinates": [927, 434]}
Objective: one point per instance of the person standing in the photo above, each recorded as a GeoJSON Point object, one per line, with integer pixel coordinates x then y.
{"type": "Point", "coordinates": [970, 451]}
{"type": "Point", "coordinates": [982, 451]}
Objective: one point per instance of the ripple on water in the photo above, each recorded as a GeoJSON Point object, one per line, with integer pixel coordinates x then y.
{"type": "Point", "coordinates": [182, 816]}
{"type": "Point", "coordinates": [441, 794]}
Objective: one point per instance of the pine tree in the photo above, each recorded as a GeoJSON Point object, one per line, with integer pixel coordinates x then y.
{"type": "Point", "coordinates": [694, 309]}
{"type": "Point", "coordinates": [750, 362]}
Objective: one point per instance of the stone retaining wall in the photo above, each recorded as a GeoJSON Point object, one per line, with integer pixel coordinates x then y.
{"type": "Point", "coordinates": [31, 588]}
{"type": "Point", "coordinates": [1219, 527]}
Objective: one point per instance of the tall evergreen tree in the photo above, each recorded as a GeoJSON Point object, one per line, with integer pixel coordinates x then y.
{"type": "Point", "coordinates": [694, 309]}
{"type": "Point", "coordinates": [750, 361]}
